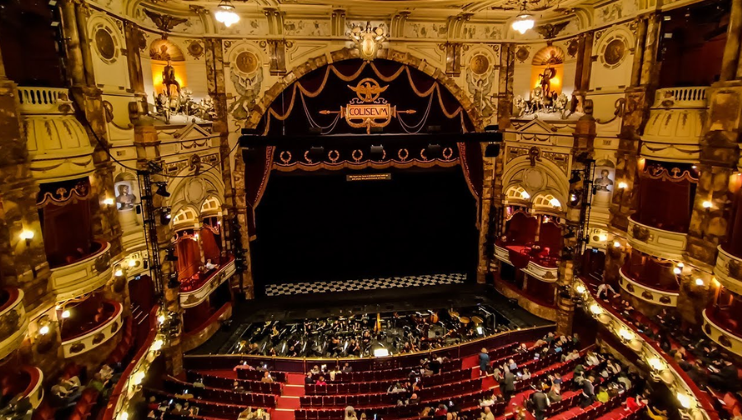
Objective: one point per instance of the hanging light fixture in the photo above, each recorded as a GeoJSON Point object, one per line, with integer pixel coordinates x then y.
{"type": "Point", "coordinates": [225, 13]}
{"type": "Point", "coordinates": [524, 21]}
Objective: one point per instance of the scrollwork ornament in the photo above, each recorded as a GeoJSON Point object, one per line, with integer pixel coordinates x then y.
{"type": "Point", "coordinates": [285, 157]}
{"type": "Point", "coordinates": [333, 155]}
{"type": "Point", "coordinates": [447, 153]}
{"type": "Point", "coordinates": [306, 157]}
{"type": "Point", "coordinates": [357, 156]}
{"type": "Point", "coordinates": [403, 154]}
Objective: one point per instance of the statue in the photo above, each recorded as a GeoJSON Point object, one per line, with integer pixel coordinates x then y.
{"type": "Point", "coordinates": [168, 78]}
{"type": "Point", "coordinates": [603, 183]}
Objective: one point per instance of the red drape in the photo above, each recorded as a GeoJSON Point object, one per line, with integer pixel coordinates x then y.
{"type": "Point", "coordinates": [471, 164]}
{"type": "Point", "coordinates": [211, 246]}
{"type": "Point", "coordinates": [142, 293]}
{"type": "Point", "coordinates": [257, 172]}
{"type": "Point", "coordinates": [652, 272]}
{"type": "Point", "coordinates": [733, 243]}
{"type": "Point", "coordinates": [550, 236]}
{"type": "Point", "coordinates": [521, 229]}
{"type": "Point", "coordinates": [67, 232]}
{"type": "Point", "coordinates": [189, 258]}
{"type": "Point", "coordinates": [665, 204]}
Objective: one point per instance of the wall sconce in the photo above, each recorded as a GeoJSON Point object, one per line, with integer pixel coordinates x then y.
{"type": "Point", "coordinates": [27, 235]}
{"type": "Point", "coordinates": [707, 205]}
{"type": "Point", "coordinates": [44, 330]}
{"type": "Point", "coordinates": [700, 282]}
{"type": "Point", "coordinates": [157, 345]}
{"type": "Point", "coordinates": [118, 273]}
{"type": "Point", "coordinates": [684, 400]}
{"type": "Point", "coordinates": [137, 378]}
{"type": "Point", "coordinates": [622, 185]}
{"type": "Point", "coordinates": [66, 314]}
{"type": "Point", "coordinates": [132, 263]}
{"type": "Point", "coordinates": [626, 334]}
{"type": "Point", "coordinates": [602, 237]}
{"type": "Point", "coordinates": [641, 163]}
{"type": "Point", "coordinates": [580, 289]}
{"type": "Point", "coordinates": [108, 201]}
{"type": "Point", "coordinates": [524, 195]}
{"type": "Point", "coordinates": [616, 244]}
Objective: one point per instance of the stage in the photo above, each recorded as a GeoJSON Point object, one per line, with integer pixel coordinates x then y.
{"type": "Point", "coordinates": [312, 306]}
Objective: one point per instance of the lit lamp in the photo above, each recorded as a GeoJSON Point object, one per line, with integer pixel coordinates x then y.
{"type": "Point", "coordinates": [580, 289]}
{"type": "Point", "coordinates": [684, 400]}
{"type": "Point", "coordinates": [707, 205]}
{"type": "Point", "coordinates": [108, 201]}
{"type": "Point", "coordinates": [44, 330]}
{"type": "Point", "coordinates": [132, 263]}
{"type": "Point", "coordinates": [524, 195]}
{"type": "Point", "coordinates": [622, 186]}
{"type": "Point", "coordinates": [118, 273]}
{"type": "Point", "coordinates": [524, 21]}
{"type": "Point", "coordinates": [555, 203]}
{"type": "Point", "coordinates": [157, 345]}
{"type": "Point", "coordinates": [137, 378]}
{"type": "Point", "coordinates": [225, 13]}
{"type": "Point", "coordinates": [65, 314]}
{"type": "Point", "coordinates": [700, 282]}
{"type": "Point", "coordinates": [27, 235]}
{"type": "Point", "coordinates": [616, 244]}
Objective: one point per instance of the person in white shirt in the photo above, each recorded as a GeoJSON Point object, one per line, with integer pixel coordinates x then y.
{"type": "Point", "coordinates": [603, 291]}
{"type": "Point", "coordinates": [210, 265]}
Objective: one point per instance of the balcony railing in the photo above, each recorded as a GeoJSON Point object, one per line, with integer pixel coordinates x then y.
{"type": "Point", "coordinates": [44, 100]}
{"type": "Point", "coordinates": [94, 337]}
{"type": "Point", "coordinates": [83, 276]}
{"type": "Point", "coordinates": [719, 329]}
{"type": "Point", "coordinates": [543, 268]}
{"type": "Point", "coordinates": [668, 371]}
{"type": "Point", "coordinates": [13, 320]}
{"type": "Point", "coordinates": [728, 270]}
{"type": "Point", "coordinates": [657, 242]}
{"type": "Point", "coordinates": [196, 293]}
{"type": "Point", "coordinates": [681, 97]}
{"type": "Point", "coordinates": [648, 293]}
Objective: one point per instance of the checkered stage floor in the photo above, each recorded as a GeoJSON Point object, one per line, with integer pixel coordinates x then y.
{"type": "Point", "coordinates": [363, 284]}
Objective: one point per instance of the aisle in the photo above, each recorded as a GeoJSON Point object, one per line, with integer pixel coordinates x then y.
{"type": "Point", "coordinates": [289, 401]}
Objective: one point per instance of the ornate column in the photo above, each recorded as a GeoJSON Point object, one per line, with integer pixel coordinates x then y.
{"type": "Point", "coordinates": [505, 91]}
{"type": "Point", "coordinates": [89, 102]}
{"type": "Point", "coordinates": [730, 62]}
{"type": "Point", "coordinates": [216, 84]}
{"type": "Point", "coordinates": [22, 263]}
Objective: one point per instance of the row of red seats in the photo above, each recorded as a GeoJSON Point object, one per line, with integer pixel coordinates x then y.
{"type": "Point", "coordinates": [85, 404]}
{"type": "Point", "coordinates": [384, 375]}
{"type": "Point", "coordinates": [387, 399]}
{"type": "Point", "coordinates": [256, 375]}
{"type": "Point", "coordinates": [383, 386]}
{"type": "Point", "coordinates": [205, 408]}
{"type": "Point", "coordinates": [390, 412]}
{"type": "Point", "coordinates": [214, 381]}
{"type": "Point", "coordinates": [211, 394]}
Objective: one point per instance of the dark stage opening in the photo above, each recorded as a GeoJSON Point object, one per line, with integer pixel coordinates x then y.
{"type": "Point", "coordinates": [320, 227]}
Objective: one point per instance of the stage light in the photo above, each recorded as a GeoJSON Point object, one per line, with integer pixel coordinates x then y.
{"type": "Point", "coordinates": [27, 235]}
{"type": "Point", "coordinates": [162, 189]}
{"type": "Point", "coordinates": [377, 152]}
{"type": "Point", "coordinates": [433, 151]}
{"type": "Point", "coordinates": [165, 215]}
{"type": "Point", "coordinates": [492, 151]}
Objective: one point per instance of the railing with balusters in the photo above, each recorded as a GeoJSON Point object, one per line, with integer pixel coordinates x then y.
{"type": "Point", "coordinates": [42, 100]}
{"type": "Point", "coordinates": [681, 97]}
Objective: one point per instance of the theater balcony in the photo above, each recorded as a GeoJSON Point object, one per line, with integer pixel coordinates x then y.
{"type": "Point", "coordinates": [59, 146]}
{"type": "Point", "coordinates": [26, 381]}
{"type": "Point", "coordinates": [84, 274]}
{"type": "Point", "coordinates": [197, 288]}
{"type": "Point", "coordinates": [658, 242]}
{"type": "Point", "coordinates": [722, 322]}
{"type": "Point", "coordinates": [13, 320]}
{"type": "Point", "coordinates": [88, 324]}
{"type": "Point", "coordinates": [675, 125]}
{"type": "Point", "coordinates": [650, 279]}
{"type": "Point", "coordinates": [728, 268]}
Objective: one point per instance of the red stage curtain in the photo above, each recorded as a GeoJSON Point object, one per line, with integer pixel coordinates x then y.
{"type": "Point", "coordinates": [521, 229]}
{"type": "Point", "coordinates": [211, 247]}
{"type": "Point", "coordinates": [471, 164]}
{"type": "Point", "coordinates": [256, 179]}
{"type": "Point", "coordinates": [733, 243]}
{"type": "Point", "coordinates": [142, 293]}
{"type": "Point", "coordinates": [550, 236]}
{"type": "Point", "coordinates": [67, 232]}
{"type": "Point", "coordinates": [665, 204]}
{"type": "Point", "coordinates": [189, 258]}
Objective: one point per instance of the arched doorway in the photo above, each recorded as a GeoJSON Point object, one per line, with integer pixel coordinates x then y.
{"type": "Point", "coordinates": [368, 176]}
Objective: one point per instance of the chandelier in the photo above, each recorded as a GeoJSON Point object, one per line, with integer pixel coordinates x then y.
{"type": "Point", "coordinates": [225, 13]}
{"type": "Point", "coordinates": [524, 21]}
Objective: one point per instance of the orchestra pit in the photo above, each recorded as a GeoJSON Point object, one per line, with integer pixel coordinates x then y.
{"type": "Point", "coordinates": [370, 209]}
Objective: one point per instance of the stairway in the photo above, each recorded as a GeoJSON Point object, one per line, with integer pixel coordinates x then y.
{"type": "Point", "coordinates": [289, 399]}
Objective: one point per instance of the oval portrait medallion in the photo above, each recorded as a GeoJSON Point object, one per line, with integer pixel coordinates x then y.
{"type": "Point", "coordinates": [246, 62]}
{"type": "Point", "coordinates": [479, 64]}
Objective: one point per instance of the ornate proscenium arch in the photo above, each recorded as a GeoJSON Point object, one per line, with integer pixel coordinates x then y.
{"type": "Point", "coordinates": [336, 57]}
